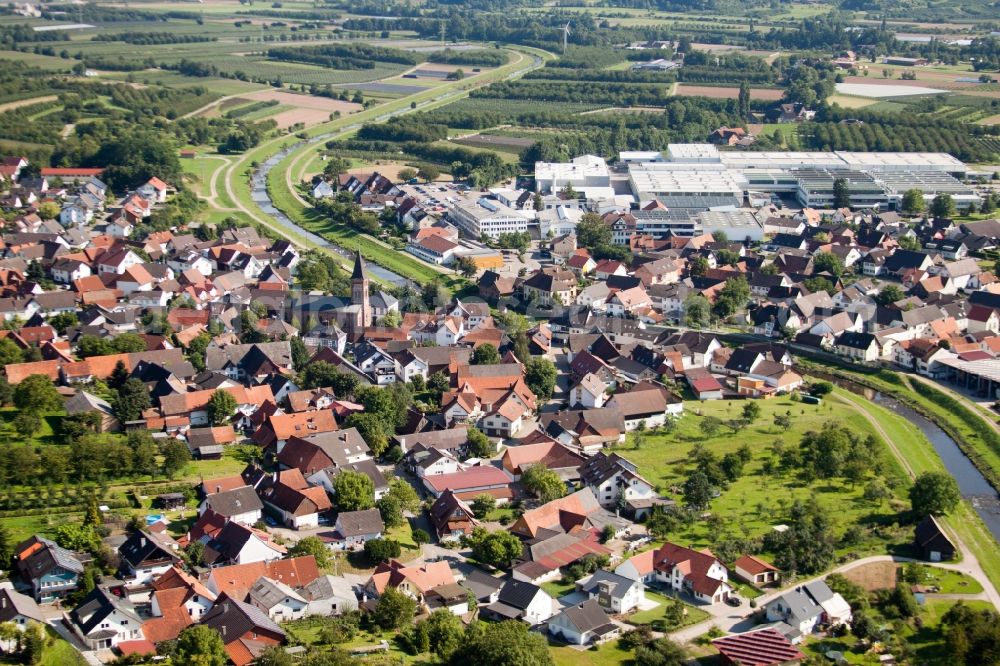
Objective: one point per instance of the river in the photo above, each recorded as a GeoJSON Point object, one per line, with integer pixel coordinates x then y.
{"type": "Point", "coordinates": [973, 485]}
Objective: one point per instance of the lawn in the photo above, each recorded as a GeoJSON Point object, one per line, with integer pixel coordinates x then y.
{"type": "Point", "coordinates": [756, 502]}
{"type": "Point", "coordinates": [557, 588]}
{"type": "Point", "coordinates": [692, 615]}
{"type": "Point", "coordinates": [608, 654]}
{"type": "Point", "coordinates": [948, 581]}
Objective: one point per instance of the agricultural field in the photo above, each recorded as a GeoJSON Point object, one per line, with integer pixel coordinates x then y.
{"type": "Point", "coordinates": [724, 92]}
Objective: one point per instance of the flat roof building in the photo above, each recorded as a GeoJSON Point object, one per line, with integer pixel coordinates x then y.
{"type": "Point", "coordinates": [655, 180]}
{"type": "Point", "coordinates": [583, 171]}
{"type": "Point", "coordinates": [738, 225]}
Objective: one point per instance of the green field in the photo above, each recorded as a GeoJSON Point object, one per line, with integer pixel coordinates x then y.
{"type": "Point", "coordinates": [756, 502]}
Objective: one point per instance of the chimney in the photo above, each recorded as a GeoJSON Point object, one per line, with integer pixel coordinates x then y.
{"type": "Point", "coordinates": [218, 489]}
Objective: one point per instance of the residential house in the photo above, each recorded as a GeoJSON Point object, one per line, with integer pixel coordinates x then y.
{"type": "Point", "coordinates": [614, 593]}
{"type": "Point", "coordinates": [18, 609]}
{"type": "Point", "coordinates": [615, 481]}
{"type": "Point", "coordinates": [583, 624]}
{"type": "Point", "coordinates": [809, 607]}
{"type": "Point", "coordinates": [861, 347]}
{"type": "Point", "coordinates": [646, 403]}
{"type": "Point", "coordinates": [278, 600]}
{"type": "Point", "coordinates": [145, 556]}
{"type": "Point", "coordinates": [240, 505]}
{"type": "Point", "coordinates": [452, 517]}
{"type": "Point", "coordinates": [245, 629]}
{"type": "Point", "coordinates": [413, 581]}
{"type": "Point", "coordinates": [354, 529]}
{"type": "Point", "coordinates": [50, 570]}
{"type": "Point", "coordinates": [523, 601]}
{"type": "Point", "coordinates": [329, 595]}
{"type": "Point", "coordinates": [103, 619]}
{"type": "Point", "coordinates": [699, 574]}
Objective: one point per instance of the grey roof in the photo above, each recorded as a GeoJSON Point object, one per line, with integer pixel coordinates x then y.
{"type": "Point", "coordinates": [819, 591]}
{"type": "Point", "coordinates": [329, 587]}
{"type": "Point", "coordinates": [800, 604]}
{"type": "Point", "coordinates": [360, 523]}
{"type": "Point", "coordinates": [269, 593]}
{"type": "Point", "coordinates": [238, 618]}
{"type": "Point", "coordinates": [14, 603]}
{"type": "Point", "coordinates": [481, 584]}
{"type": "Point", "coordinates": [98, 605]}
{"type": "Point", "coordinates": [217, 358]}
{"type": "Point", "coordinates": [588, 616]}
{"type": "Point", "coordinates": [619, 585]}
{"type": "Point", "coordinates": [234, 502]}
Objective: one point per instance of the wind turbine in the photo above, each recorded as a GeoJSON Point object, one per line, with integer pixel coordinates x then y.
{"type": "Point", "coordinates": [566, 34]}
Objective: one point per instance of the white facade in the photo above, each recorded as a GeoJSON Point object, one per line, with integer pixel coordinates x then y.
{"type": "Point", "coordinates": [583, 171]}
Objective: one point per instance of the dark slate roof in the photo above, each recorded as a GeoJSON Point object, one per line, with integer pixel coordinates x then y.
{"type": "Point", "coordinates": [143, 546]}
{"type": "Point", "coordinates": [518, 594]}
{"type": "Point", "coordinates": [238, 618]}
{"type": "Point", "coordinates": [588, 616]}
{"type": "Point", "coordinates": [854, 340]}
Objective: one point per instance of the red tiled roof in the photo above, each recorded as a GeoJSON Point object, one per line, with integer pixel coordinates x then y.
{"type": "Point", "coordinates": [474, 477]}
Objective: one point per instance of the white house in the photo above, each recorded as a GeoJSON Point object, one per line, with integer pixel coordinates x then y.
{"type": "Point", "coordinates": [583, 624]}
{"type": "Point", "coordinates": [330, 595]}
{"type": "Point", "coordinates": [590, 392]}
{"type": "Point", "coordinates": [615, 593]}
{"type": "Point", "coordinates": [614, 479]}
{"type": "Point", "coordinates": [278, 600]}
{"type": "Point", "coordinates": [523, 601]}
{"type": "Point", "coordinates": [102, 620]}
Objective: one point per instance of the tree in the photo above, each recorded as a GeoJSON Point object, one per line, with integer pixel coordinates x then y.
{"type": "Point", "coordinates": [841, 193]}
{"type": "Point", "coordinates": [482, 505]}
{"type": "Point", "coordinates": [407, 174]}
{"type": "Point", "coordinates": [827, 262]}
{"type": "Point", "coordinates": [807, 546]}
{"type": "Point", "coordinates": [221, 407]}
{"type": "Point", "coordinates": [420, 536]}
{"type": "Point", "coordinates": [485, 354]}
{"type": "Point", "coordinates": [876, 491]}
{"type": "Point", "coordinates": [661, 652]}
{"type": "Point", "coordinates": [133, 400]}
{"type": "Point", "coordinates": [698, 266]}
{"type": "Point", "coordinates": [9, 352]}
{"type": "Point", "coordinates": [27, 424]}
{"type": "Point", "coordinates": [353, 491]}
{"type": "Point", "coordinates": [934, 493]}
{"type": "Point", "coordinates": [312, 546]}
{"type": "Point", "coordinates": [479, 444]}
{"type": "Point", "coordinates": [175, 456]}
{"type": "Point", "coordinates": [696, 311]}
{"type": "Point", "coordinates": [743, 101]}
{"type": "Point", "coordinates": [913, 201]}
{"type": "Point", "coordinates": [396, 502]}
{"type": "Point", "coordinates": [394, 610]}
{"type": "Point", "coordinates": [429, 172]}
{"type": "Point", "coordinates": [592, 232]}
{"type": "Point", "coordinates": [540, 376]}
{"type": "Point", "coordinates": [732, 297]}
{"type": "Point", "coordinates": [6, 546]}
{"type": "Point", "coordinates": [821, 388]}
{"type": "Point", "coordinates": [444, 632]}
{"type": "Point", "coordinates": [372, 428]}
{"type": "Point", "coordinates": [889, 294]}
{"type": "Point", "coordinates": [495, 549]}
{"type": "Point", "coordinates": [382, 550]}
{"type": "Point", "coordinates": [710, 426]}
{"type": "Point", "coordinates": [34, 642]}
{"type": "Point", "coordinates": [506, 643]}
{"type": "Point", "coordinates": [543, 483]}
{"type": "Point", "coordinates": [200, 645]}
{"type": "Point", "coordinates": [751, 411]}
{"type": "Point", "coordinates": [971, 634]}
{"type": "Point", "coordinates": [37, 394]}
{"type": "Point", "coordinates": [943, 206]}
{"type": "Point", "coordinates": [300, 353]}
{"type": "Point", "coordinates": [697, 491]}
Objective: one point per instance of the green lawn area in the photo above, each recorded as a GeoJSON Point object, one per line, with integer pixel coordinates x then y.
{"type": "Point", "coordinates": [693, 615]}
{"type": "Point", "coordinates": [606, 655]}
{"type": "Point", "coordinates": [948, 581]}
{"type": "Point", "coordinates": [557, 588]}
{"type": "Point", "coordinates": [756, 502]}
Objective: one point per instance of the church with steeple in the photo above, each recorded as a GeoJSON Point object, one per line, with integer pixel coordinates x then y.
{"type": "Point", "coordinates": [359, 290]}
{"type": "Point", "coordinates": [357, 316]}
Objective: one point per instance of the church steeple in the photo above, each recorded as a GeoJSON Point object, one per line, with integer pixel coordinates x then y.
{"type": "Point", "coordinates": [359, 268]}
{"type": "Point", "coordinates": [359, 290]}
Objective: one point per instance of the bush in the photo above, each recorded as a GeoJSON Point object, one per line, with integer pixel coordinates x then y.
{"type": "Point", "coordinates": [382, 550]}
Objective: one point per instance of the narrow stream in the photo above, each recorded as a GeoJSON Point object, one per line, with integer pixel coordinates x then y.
{"type": "Point", "coordinates": [260, 196]}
